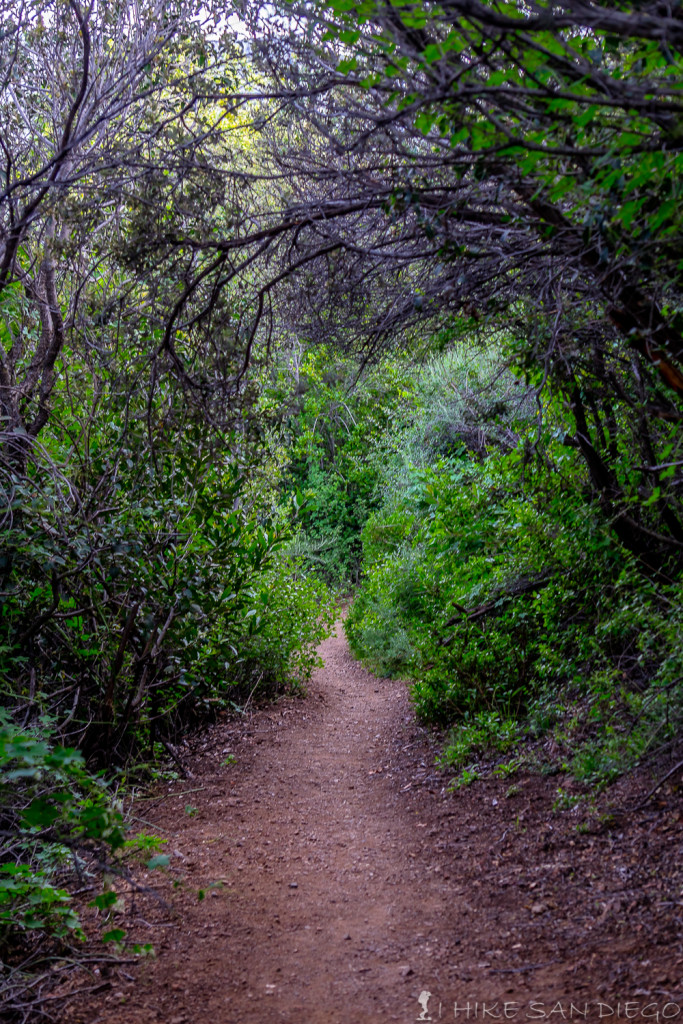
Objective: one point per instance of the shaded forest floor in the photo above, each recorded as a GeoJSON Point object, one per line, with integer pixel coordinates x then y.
{"type": "Point", "coordinates": [341, 880]}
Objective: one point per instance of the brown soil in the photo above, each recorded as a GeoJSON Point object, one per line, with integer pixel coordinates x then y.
{"type": "Point", "coordinates": [341, 880]}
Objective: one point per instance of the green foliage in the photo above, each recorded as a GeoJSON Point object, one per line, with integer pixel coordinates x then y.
{"type": "Point", "coordinates": [335, 428]}
{"type": "Point", "coordinates": [28, 901]}
{"type": "Point", "coordinates": [493, 586]}
{"type": "Point", "coordinates": [480, 733]}
{"type": "Point", "coordinates": [144, 588]}
{"type": "Point", "coordinates": [51, 806]}
{"type": "Point", "coordinates": [161, 860]}
{"type": "Point", "coordinates": [163, 610]}
{"type": "Point", "coordinates": [171, 522]}
{"type": "Point", "coordinates": [613, 164]}
{"type": "Point", "coordinates": [558, 123]}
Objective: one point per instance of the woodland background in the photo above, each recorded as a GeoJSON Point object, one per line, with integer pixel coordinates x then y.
{"type": "Point", "coordinates": [303, 300]}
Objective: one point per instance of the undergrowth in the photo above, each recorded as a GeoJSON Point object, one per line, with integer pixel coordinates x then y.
{"type": "Point", "coordinates": [524, 625]}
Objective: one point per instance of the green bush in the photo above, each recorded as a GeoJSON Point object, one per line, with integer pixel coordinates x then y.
{"type": "Point", "coordinates": [503, 596]}
{"type": "Point", "coordinates": [336, 426]}
{"type": "Point", "coordinates": [133, 623]}
{"type": "Point", "coordinates": [144, 587]}
{"type": "Point", "coordinates": [53, 813]}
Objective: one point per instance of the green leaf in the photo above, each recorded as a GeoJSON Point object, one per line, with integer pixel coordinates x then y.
{"type": "Point", "coordinates": [162, 860]}
{"type": "Point", "coordinates": [104, 901]}
{"type": "Point", "coordinates": [40, 813]}
{"type": "Point", "coordinates": [344, 66]}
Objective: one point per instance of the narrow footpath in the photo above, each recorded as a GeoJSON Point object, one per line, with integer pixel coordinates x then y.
{"type": "Point", "coordinates": [328, 877]}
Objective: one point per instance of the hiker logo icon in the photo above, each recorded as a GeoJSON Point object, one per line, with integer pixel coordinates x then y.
{"type": "Point", "coordinates": [423, 1000]}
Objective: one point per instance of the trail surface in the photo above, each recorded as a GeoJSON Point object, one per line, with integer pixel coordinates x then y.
{"type": "Point", "coordinates": [327, 877]}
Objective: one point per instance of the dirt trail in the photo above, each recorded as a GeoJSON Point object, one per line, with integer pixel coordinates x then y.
{"type": "Point", "coordinates": [341, 881]}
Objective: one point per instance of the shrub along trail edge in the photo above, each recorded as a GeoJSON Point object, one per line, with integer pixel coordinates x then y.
{"type": "Point", "coordinates": [341, 882]}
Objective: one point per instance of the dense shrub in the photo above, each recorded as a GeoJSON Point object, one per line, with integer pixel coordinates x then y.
{"type": "Point", "coordinates": [144, 587]}
{"type": "Point", "coordinates": [504, 597]}
{"type": "Point", "coordinates": [148, 588]}
{"type": "Point", "coordinates": [336, 426]}
{"type": "Point", "coordinates": [53, 814]}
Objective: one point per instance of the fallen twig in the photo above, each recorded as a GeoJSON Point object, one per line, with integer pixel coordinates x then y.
{"type": "Point", "coordinates": [652, 792]}
{"type": "Point", "coordinates": [167, 796]}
